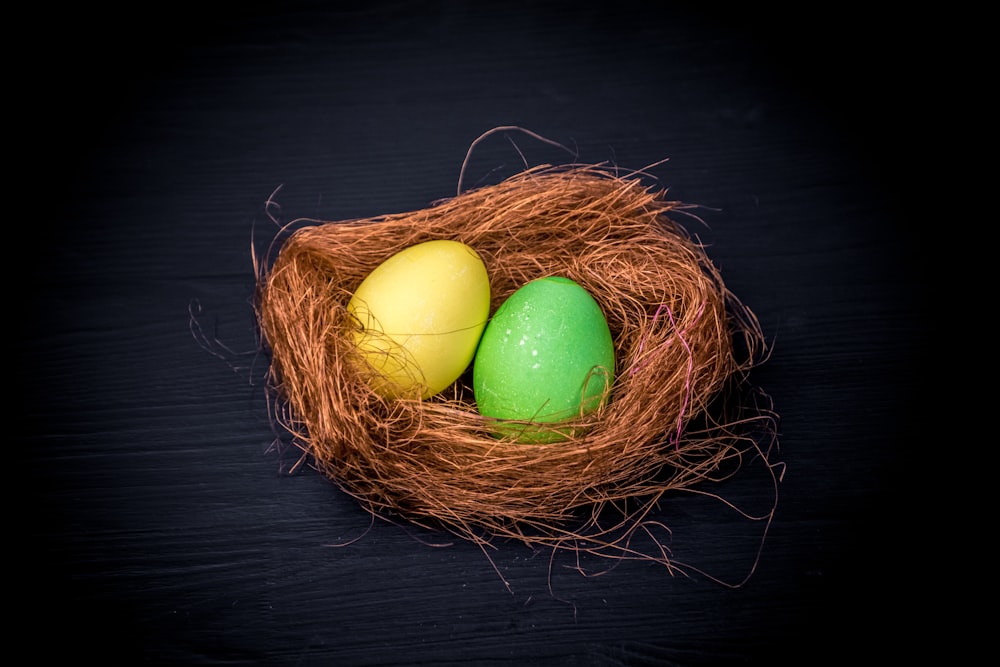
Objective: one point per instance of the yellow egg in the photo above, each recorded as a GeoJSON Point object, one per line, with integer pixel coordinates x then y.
{"type": "Point", "coordinates": [419, 316]}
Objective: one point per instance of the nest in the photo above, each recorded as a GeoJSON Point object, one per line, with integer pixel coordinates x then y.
{"type": "Point", "coordinates": [683, 341]}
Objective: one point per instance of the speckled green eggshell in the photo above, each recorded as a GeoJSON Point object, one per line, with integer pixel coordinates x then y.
{"type": "Point", "coordinates": [546, 355]}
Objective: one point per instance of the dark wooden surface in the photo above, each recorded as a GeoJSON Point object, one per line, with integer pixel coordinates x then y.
{"type": "Point", "coordinates": [163, 525]}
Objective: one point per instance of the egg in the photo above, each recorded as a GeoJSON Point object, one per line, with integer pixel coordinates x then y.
{"type": "Point", "coordinates": [547, 355]}
{"type": "Point", "coordinates": [418, 317]}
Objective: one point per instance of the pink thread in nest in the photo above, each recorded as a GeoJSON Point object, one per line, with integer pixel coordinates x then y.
{"type": "Point", "coordinates": [664, 308]}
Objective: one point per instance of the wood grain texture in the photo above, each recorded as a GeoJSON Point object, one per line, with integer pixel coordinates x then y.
{"type": "Point", "coordinates": [164, 525]}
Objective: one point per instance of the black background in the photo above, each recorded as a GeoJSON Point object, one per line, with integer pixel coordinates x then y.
{"type": "Point", "coordinates": [163, 524]}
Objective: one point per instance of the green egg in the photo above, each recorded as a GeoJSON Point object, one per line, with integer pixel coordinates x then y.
{"type": "Point", "coordinates": [546, 356]}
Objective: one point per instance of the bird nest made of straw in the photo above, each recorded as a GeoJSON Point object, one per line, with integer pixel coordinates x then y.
{"type": "Point", "coordinates": [682, 340]}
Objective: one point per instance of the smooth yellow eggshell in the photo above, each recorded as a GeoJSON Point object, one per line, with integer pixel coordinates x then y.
{"type": "Point", "coordinates": [419, 316]}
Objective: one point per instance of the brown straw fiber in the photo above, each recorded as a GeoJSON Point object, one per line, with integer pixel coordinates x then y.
{"type": "Point", "coordinates": [682, 341]}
